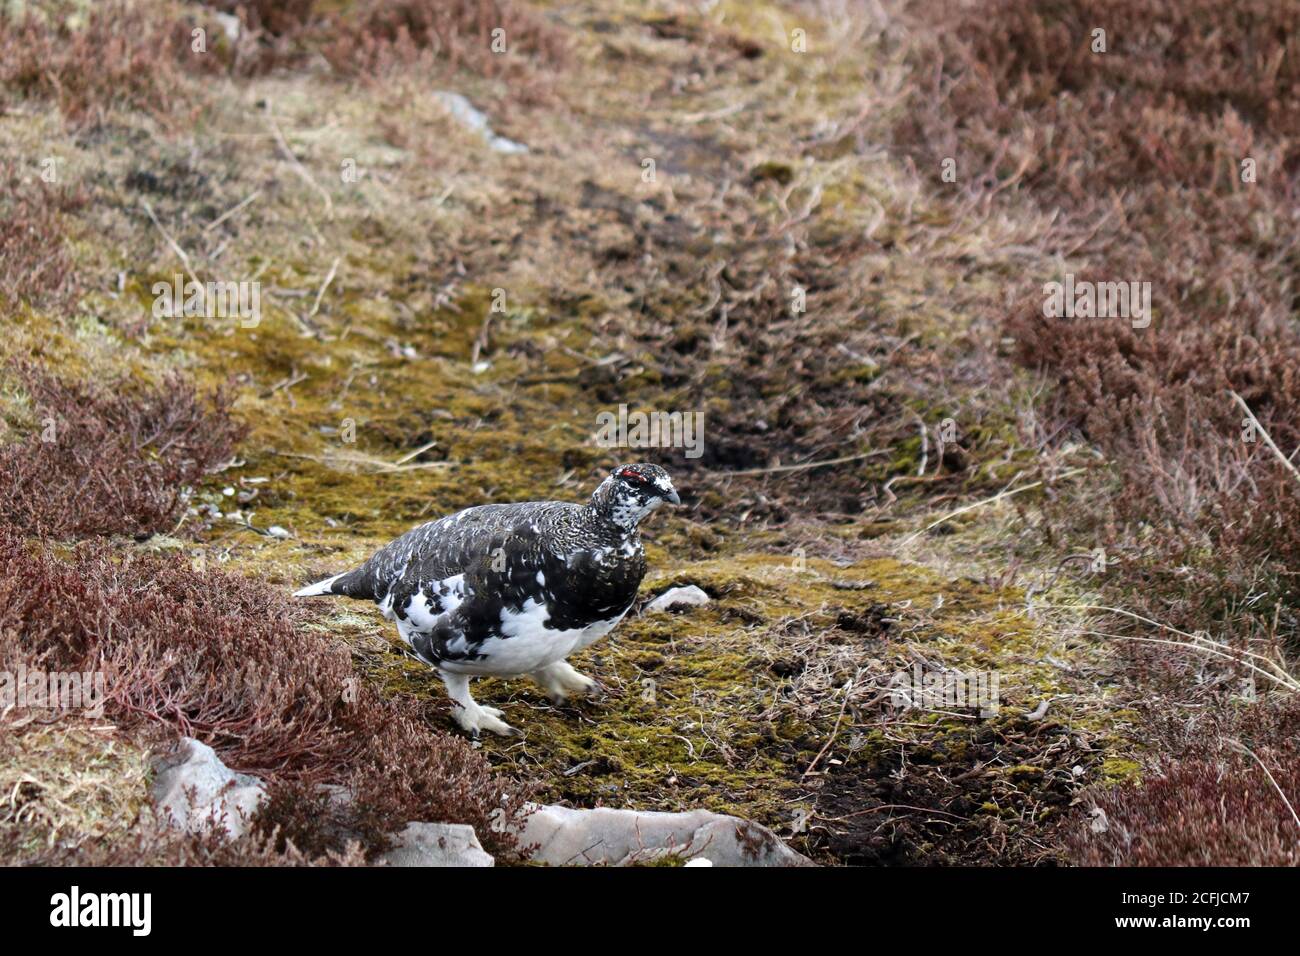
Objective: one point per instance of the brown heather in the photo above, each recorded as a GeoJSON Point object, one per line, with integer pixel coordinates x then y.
{"type": "Point", "coordinates": [1207, 802]}
{"type": "Point", "coordinates": [137, 54]}
{"type": "Point", "coordinates": [1181, 89]}
{"type": "Point", "coordinates": [35, 266]}
{"type": "Point", "coordinates": [126, 54]}
{"type": "Point", "coordinates": [110, 459]}
{"type": "Point", "coordinates": [1201, 813]}
{"type": "Point", "coordinates": [1139, 151]}
{"type": "Point", "coordinates": [374, 34]}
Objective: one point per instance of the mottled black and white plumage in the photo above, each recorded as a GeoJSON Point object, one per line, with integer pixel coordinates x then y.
{"type": "Point", "coordinates": [509, 590]}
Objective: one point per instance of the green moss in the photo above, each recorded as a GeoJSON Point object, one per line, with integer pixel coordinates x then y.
{"type": "Point", "coordinates": [1115, 770]}
{"type": "Point", "coordinates": [779, 172]}
{"type": "Point", "coordinates": [1023, 772]}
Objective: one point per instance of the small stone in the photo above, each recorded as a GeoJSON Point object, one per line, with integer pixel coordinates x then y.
{"type": "Point", "coordinates": [230, 24]}
{"type": "Point", "coordinates": [499, 144]}
{"type": "Point", "coordinates": [853, 585]}
{"type": "Point", "coordinates": [690, 596]}
{"type": "Point", "coordinates": [608, 837]}
{"type": "Point", "coordinates": [464, 113]}
{"type": "Point", "coordinates": [275, 531]}
{"type": "Point", "coordinates": [198, 793]}
{"type": "Point", "coordinates": [437, 844]}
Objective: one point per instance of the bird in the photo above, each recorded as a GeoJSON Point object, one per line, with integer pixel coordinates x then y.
{"type": "Point", "coordinates": [508, 590]}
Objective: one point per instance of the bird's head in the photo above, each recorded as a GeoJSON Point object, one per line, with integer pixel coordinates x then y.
{"type": "Point", "coordinates": [633, 491]}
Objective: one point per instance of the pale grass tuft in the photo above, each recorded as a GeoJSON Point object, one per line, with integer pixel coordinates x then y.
{"type": "Point", "coordinates": [69, 782]}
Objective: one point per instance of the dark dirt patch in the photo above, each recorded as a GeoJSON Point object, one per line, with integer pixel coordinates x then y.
{"type": "Point", "coordinates": [987, 796]}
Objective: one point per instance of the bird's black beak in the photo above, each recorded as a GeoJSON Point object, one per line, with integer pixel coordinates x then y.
{"type": "Point", "coordinates": [672, 497]}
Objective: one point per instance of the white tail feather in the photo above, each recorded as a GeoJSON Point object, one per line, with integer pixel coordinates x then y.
{"type": "Point", "coordinates": [320, 587]}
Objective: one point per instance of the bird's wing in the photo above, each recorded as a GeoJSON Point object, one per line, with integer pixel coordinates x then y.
{"type": "Point", "coordinates": [434, 551]}
{"type": "Point", "coordinates": [507, 578]}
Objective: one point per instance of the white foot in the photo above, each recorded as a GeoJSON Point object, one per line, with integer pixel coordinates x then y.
{"type": "Point", "coordinates": [559, 680]}
{"type": "Point", "coordinates": [472, 717]}
{"type": "Point", "coordinates": [475, 721]}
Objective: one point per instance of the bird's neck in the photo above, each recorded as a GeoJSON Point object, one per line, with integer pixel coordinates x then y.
{"type": "Point", "coordinates": [623, 513]}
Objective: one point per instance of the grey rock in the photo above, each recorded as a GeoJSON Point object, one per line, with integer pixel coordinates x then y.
{"type": "Point", "coordinates": [437, 844]}
{"type": "Point", "coordinates": [230, 24]}
{"type": "Point", "coordinates": [609, 837]}
{"type": "Point", "coordinates": [197, 793]}
{"type": "Point", "coordinates": [673, 597]}
{"type": "Point", "coordinates": [464, 113]}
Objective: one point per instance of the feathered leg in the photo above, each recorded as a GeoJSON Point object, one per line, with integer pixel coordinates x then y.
{"type": "Point", "coordinates": [472, 716]}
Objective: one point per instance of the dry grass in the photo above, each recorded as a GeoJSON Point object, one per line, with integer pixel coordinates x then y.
{"type": "Point", "coordinates": [68, 783]}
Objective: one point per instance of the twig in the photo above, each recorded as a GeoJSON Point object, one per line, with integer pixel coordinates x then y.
{"type": "Point", "coordinates": [1193, 638]}
{"type": "Point", "coordinates": [892, 806]}
{"type": "Point", "coordinates": [297, 164]}
{"type": "Point", "coordinates": [723, 113]}
{"type": "Point", "coordinates": [481, 340]}
{"type": "Point", "coordinates": [324, 285]}
{"type": "Point", "coordinates": [1267, 438]}
{"type": "Point", "coordinates": [988, 501]}
{"type": "Point", "coordinates": [1040, 711]}
{"type": "Point", "coordinates": [185, 259]}
{"type": "Point", "coordinates": [925, 446]}
{"type": "Point", "coordinates": [806, 465]}
{"type": "Point", "coordinates": [1240, 746]}
{"type": "Point", "coordinates": [1218, 650]}
{"type": "Point", "coordinates": [289, 382]}
{"type": "Point", "coordinates": [376, 463]}
{"type": "Point", "coordinates": [415, 454]}
{"type": "Point", "coordinates": [230, 212]}
{"type": "Point", "coordinates": [848, 687]}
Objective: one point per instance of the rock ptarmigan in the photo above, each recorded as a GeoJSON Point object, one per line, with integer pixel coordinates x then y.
{"type": "Point", "coordinates": [511, 590]}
